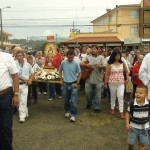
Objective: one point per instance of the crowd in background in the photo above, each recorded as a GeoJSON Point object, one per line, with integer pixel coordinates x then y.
{"type": "Point", "coordinates": [131, 58]}
{"type": "Point", "coordinates": [99, 72]}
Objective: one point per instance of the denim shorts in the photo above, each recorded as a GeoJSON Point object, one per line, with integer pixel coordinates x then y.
{"type": "Point", "coordinates": [140, 135]}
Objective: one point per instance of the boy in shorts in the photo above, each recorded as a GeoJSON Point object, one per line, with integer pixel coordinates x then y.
{"type": "Point", "coordinates": [137, 118]}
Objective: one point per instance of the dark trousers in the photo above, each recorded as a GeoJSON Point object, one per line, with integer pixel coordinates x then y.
{"type": "Point", "coordinates": [6, 119]}
{"type": "Point", "coordinates": [51, 90]}
{"type": "Point", "coordinates": [58, 89]}
{"type": "Point", "coordinates": [32, 92]}
{"type": "Point", "coordinates": [106, 93]}
{"type": "Point", "coordinates": [134, 89]}
{"type": "Point", "coordinates": [82, 84]}
{"type": "Point", "coordinates": [54, 87]}
{"type": "Point", "coordinates": [42, 87]}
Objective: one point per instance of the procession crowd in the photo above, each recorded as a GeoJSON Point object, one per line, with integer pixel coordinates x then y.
{"type": "Point", "coordinates": [100, 72]}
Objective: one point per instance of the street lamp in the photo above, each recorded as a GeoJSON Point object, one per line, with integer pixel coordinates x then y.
{"type": "Point", "coordinates": [2, 24]}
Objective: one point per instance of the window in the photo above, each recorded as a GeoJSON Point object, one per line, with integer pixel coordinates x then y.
{"type": "Point", "coordinates": [103, 21]}
{"type": "Point", "coordinates": [134, 30]}
{"type": "Point", "coordinates": [112, 18]}
{"type": "Point", "coordinates": [134, 14]}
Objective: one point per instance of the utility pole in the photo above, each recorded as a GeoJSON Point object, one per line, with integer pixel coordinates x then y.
{"type": "Point", "coordinates": [56, 39]}
{"type": "Point", "coordinates": [2, 24]}
{"type": "Point", "coordinates": [75, 31]}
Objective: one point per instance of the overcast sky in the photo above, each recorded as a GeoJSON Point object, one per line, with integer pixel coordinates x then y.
{"type": "Point", "coordinates": [27, 18]}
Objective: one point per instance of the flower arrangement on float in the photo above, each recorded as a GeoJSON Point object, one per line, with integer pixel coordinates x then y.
{"type": "Point", "coordinates": [47, 75]}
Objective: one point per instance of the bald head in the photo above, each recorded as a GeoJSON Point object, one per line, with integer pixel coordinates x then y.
{"type": "Point", "coordinates": [140, 58]}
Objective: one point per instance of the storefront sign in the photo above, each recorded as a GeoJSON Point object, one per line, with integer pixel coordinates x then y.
{"type": "Point", "coordinates": [132, 40]}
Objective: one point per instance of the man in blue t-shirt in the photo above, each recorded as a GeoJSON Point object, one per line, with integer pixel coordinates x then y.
{"type": "Point", "coordinates": [71, 76]}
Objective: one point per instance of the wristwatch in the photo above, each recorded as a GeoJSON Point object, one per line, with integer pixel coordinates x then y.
{"type": "Point", "coordinates": [16, 93]}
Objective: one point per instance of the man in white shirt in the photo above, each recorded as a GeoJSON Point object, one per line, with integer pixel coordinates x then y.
{"type": "Point", "coordinates": [25, 72]}
{"type": "Point", "coordinates": [8, 98]}
{"type": "Point", "coordinates": [144, 72]}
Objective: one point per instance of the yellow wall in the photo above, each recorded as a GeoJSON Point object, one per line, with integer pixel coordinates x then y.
{"type": "Point", "coordinates": [147, 33]}
{"type": "Point", "coordinates": [146, 16]}
{"type": "Point", "coordinates": [95, 34]}
{"type": "Point", "coordinates": [119, 21]}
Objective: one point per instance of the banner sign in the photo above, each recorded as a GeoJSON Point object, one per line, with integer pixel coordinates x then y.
{"type": "Point", "coordinates": [132, 40]}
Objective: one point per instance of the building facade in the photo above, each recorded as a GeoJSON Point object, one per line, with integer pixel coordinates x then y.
{"type": "Point", "coordinates": [130, 23]}
{"type": "Point", "coordinates": [5, 41]}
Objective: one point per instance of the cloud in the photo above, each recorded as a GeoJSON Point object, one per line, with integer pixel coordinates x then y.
{"type": "Point", "coordinates": [48, 32]}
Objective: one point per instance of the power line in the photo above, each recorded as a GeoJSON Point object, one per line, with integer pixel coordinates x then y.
{"type": "Point", "coordinates": [44, 19]}
{"type": "Point", "coordinates": [66, 25]}
{"type": "Point", "coordinates": [55, 9]}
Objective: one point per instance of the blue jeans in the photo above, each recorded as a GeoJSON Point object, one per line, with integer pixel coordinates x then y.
{"type": "Point", "coordinates": [93, 94]}
{"type": "Point", "coordinates": [58, 89]}
{"type": "Point", "coordinates": [51, 90]}
{"type": "Point", "coordinates": [54, 87]}
{"type": "Point", "coordinates": [6, 119]}
{"type": "Point", "coordinates": [70, 99]}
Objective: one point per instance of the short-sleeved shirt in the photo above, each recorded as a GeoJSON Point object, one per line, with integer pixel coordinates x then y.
{"type": "Point", "coordinates": [81, 56]}
{"type": "Point", "coordinates": [7, 67]}
{"type": "Point", "coordinates": [35, 67]}
{"type": "Point", "coordinates": [97, 74]}
{"type": "Point", "coordinates": [70, 70]}
{"type": "Point", "coordinates": [25, 71]}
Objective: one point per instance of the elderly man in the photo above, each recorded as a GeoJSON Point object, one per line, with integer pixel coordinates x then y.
{"type": "Point", "coordinates": [26, 75]}
{"type": "Point", "coordinates": [14, 51]}
{"type": "Point", "coordinates": [135, 74]}
{"type": "Point", "coordinates": [8, 98]}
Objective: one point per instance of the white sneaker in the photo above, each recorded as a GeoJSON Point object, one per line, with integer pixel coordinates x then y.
{"type": "Point", "coordinates": [67, 115]}
{"type": "Point", "coordinates": [50, 99]}
{"type": "Point", "coordinates": [44, 93]}
{"type": "Point", "coordinates": [22, 120]}
{"type": "Point", "coordinates": [72, 119]}
{"type": "Point", "coordinates": [59, 96]}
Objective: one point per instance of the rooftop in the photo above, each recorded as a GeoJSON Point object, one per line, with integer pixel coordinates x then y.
{"type": "Point", "coordinates": [110, 39]}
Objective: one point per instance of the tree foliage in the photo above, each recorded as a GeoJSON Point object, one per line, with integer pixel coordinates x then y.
{"type": "Point", "coordinates": [34, 44]}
